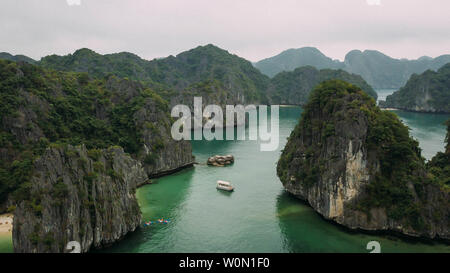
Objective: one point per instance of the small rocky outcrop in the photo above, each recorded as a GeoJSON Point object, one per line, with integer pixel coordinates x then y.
{"type": "Point", "coordinates": [358, 166]}
{"type": "Point", "coordinates": [78, 195]}
{"type": "Point", "coordinates": [220, 160]}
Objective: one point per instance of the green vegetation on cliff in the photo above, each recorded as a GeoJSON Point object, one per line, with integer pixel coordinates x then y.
{"type": "Point", "coordinates": [294, 87]}
{"type": "Point", "coordinates": [199, 65]}
{"type": "Point", "coordinates": [343, 137]}
{"type": "Point", "coordinates": [207, 71]}
{"type": "Point", "coordinates": [16, 58]}
{"type": "Point", "coordinates": [123, 65]}
{"type": "Point", "coordinates": [439, 166]}
{"type": "Point", "coordinates": [427, 92]}
{"type": "Point", "coordinates": [41, 108]}
{"type": "Point", "coordinates": [79, 195]}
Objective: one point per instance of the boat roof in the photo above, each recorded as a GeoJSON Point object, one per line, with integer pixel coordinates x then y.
{"type": "Point", "coordinates": [223, 182]}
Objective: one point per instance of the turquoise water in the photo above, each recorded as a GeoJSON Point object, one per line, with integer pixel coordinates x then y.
{"type": "Point", "coordinates": [5, 244]}
{"type": "Point", "coordinates": [427, 128]}
{"type": "Point", "coordinates": [259, 216]}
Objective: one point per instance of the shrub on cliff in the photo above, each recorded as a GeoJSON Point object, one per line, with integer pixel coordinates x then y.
{"type": "Point", "coordinates": [439, 166]}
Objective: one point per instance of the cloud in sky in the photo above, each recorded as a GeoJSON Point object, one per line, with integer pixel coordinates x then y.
{"type": "Point", "coordinates": [253, 29]}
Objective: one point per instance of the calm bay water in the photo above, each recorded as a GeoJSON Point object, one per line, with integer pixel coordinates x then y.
{"type": "Point", "coordinates": [5, 244]}
{"type": "Point", "coordinates": [427, 128]}
{"type": "Point", "coordinates": [259, 216]}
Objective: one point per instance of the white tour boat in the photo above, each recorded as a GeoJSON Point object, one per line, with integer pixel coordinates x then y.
{"type": "Point", "coordinates": [224, 185]}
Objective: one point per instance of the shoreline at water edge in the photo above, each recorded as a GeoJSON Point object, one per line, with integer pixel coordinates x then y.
{"type": "Point", "coordinates": [6, 221]}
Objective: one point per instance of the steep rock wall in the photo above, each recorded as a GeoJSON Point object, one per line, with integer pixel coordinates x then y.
{"type": "Point", "coordinates": [74, 197]}
{"type": "Point", "coordinates": [333, 161]}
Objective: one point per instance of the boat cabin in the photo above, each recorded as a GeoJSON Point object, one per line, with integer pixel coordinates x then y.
{"type": "Point", "coordinates": [224, 185]}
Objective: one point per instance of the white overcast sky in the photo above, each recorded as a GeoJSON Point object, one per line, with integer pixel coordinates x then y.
{"type": "Point", "coordinates": [253, 29]}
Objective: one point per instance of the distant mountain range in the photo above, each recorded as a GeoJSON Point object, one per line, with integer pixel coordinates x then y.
{"type": "Point", "coordinates": [208, 71]}
{"type": "Point", "coordinates": [378, 69]}
{"type": "Point", "coordinates": [293, 58]}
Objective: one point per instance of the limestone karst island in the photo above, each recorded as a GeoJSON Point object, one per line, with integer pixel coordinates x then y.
{"type": "Point", "coordinates": [224, 127]}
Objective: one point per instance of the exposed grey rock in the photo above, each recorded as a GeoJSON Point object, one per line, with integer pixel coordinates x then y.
{"type": "Point", "coordinates": [332, 170]}
{"type": "Point", "coordinates": [45, 219]}
{"type": "Point", "coordinates": [77, 198]}
{"type": "Point", "coordinates": [220, 161]}
{"type": "Point", "coordinates": [164, 155]}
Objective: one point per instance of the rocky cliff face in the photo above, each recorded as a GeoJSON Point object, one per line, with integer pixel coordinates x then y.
{"type": "Point", "coordinates": [215, 75]}
{"type": "Point", "coordinates": [357, 165]}
{"type": "Point", "coordinates": [160, 154]}
{"type": "Point", "coordinates": [42, 111]}
{"type": "Point", "coordinates": [75, 197]}
{"type": "Point", "coordinates": [427, 92]}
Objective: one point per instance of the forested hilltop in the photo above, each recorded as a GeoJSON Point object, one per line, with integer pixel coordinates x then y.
{"type": "Point", "coordinates": [358, 166]}
{"type": "Point", "coordinates": [294, 87]}
{"type": "Point", "coordinates": [427, 92]}
{"type": "Point", "coordinates": [16, 58]}
{"type": "Point", "coordinates": [208, 71]}
{"type": "Point", "coordinates": [378, 69]}
{"type": "Point", "coordinates": [79, 143]}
